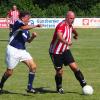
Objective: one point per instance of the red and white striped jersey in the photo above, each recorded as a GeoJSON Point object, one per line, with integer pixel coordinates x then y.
{"type": "Point", "coordinates": [13, 15]}
{"type": "Point", "coordinates": [56, 46]}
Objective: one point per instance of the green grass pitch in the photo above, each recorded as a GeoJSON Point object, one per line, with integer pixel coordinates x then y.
{"type": "Point", "coordinates": [86, 51]}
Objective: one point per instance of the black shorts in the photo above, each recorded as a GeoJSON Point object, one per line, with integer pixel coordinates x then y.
{"type": "Point", "coordinates": [11, 26]}
{"type": "Point", "coordinates": [59, 59]}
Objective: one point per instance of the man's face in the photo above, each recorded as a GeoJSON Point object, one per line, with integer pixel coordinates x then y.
{"type": "Point", "coordinates": [26, 19]}
{"type": "Point", "coordinates": [14, 7]}
{"type": "Point", "coordinates": [70, 18]}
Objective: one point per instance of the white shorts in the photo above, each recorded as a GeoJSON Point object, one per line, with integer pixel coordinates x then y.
{"type": "Point", "coordinates": [14, 56]}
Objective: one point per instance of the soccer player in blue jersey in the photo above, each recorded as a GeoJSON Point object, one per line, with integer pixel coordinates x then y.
{"type": "Point", "coordinates": [16, 51]}
{"type": "Point", "coordinates": [22, 23]}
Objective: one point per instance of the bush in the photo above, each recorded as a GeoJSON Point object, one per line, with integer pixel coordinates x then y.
{"type": "Point", "coordinates": [52, 8]}
{"type": "Point", "coordinates": [95, 10]}
{"type": "Point", "coordinates": [57, 10]}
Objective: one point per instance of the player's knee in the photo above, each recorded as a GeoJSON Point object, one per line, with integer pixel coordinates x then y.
{"type": "Point", "coordinates": [9, 72]}
{"type": "Point", "coordinates": [59, 72]}
{"type": "Point", "coordinates": [73, 67]}
{"type": "Point", "coordinates": [33, 68]}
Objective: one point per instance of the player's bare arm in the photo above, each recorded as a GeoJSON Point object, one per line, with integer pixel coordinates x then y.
{"type": "Point", "coordinates": [75, 33]}
{"type": "Point", "coordinates": [28, 27]}
{"type": "Point", "coordinates": [59, 34]}
{"type": "Point", "coordinates": [34, 34]}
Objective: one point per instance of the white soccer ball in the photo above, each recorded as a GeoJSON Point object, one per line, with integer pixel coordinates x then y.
{"type": "Point", "coordinates": [87, 90]}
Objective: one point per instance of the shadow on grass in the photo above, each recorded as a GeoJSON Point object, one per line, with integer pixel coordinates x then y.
{"type": "Point", "coordinates": [9, 92]}
{"type": "Point", "coordinates": [73, 93]}
{"type": "Point", "coordinates": [4, 40]}
{"type": "Point", "coordinates": [41, 90]}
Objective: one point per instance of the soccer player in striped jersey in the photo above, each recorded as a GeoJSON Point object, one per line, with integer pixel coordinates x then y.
{"type": "Point", "coordinates": [16, 50]}
{"type": "Point", "coordinates": [12, 16]}
{"type": "Point", "coordinates": [60, 51]}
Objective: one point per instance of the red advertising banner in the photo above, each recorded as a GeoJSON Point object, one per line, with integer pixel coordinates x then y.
{"type": "Point", "coordinates": [3, 23]}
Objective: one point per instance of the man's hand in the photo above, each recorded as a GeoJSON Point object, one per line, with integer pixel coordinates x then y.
{"type": "Point", "coordinates": [75, 37]}
{"type": "Point", "coordinates": [34, 34]}
{"type": "Point", "coordinates": [39, 25]}
{"type": "Point", "coordinates": [69, 43]}
{"type": "Point", "coordinates": [75, 33]}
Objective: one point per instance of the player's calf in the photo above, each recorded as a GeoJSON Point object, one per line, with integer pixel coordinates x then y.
{"type": "Point", "coordinates": [58, 80]}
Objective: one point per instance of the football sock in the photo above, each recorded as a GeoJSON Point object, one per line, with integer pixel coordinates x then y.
{"type": "Point", "coordinates": [4, 78]}
{"type": "Point", "coordinates": [58, 80]}
{"type": "Point", "coordinates": [79, 76]}
{"type": "Point", "coordinates": [30, 80]}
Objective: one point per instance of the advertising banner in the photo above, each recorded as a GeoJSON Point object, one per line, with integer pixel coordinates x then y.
{"type": "Point", "coordinates": [52, 22]}
{"type": "Point", "coordinates": [3, 23]}
{"type": "Point", "coordinates": [78, 22]}
{"type": "Point", "coordinates": [87, 23]}
{"type": "Point", "coordinates": [46, 22]}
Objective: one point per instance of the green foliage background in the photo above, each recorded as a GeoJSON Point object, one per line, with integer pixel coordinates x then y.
{"type": "Point", "coordinates": [53, 8]}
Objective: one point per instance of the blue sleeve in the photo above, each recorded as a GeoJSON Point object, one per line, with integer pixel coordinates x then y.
{"type": "Point", "coordinates": [25, 35]}
{"type": "Point", "coordinates": [17, 25]}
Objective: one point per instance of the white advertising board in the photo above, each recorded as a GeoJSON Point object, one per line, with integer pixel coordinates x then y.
{"type": "Point", "coordinates": [46, 22]}
{"type": "Point", "coordinates": [52, 22]}
{"type": "Point", "coordinates": [78, 22]}
{"type": "Point", "coordinates": [87, 23]}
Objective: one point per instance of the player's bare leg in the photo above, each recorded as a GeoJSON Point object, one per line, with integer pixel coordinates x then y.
{"type": "Point", "coordinates": [6, 75]}
{"type": "Point", "coordinates": [58, 80]}
{"type": "Point", "coordinates": [78, 74]}
{"type": "Point", "coordinates": [32, 69]}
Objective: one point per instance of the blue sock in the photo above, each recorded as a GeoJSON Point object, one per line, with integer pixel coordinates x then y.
{"type": "Point", "coordinates": [30, 80]}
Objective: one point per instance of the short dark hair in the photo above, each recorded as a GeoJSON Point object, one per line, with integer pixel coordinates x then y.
{"type": "Point", "coordinates": [23, 14]}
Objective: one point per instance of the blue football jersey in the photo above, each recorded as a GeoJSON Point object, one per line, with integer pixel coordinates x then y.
{"type": "Point", "coordinates": [19, 38]}
{"type": "Point", "coordinates": [17, 26]}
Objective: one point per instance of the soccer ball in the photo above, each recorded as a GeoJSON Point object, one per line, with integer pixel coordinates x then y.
{"type": "Point", "coordinates": [87, 90]}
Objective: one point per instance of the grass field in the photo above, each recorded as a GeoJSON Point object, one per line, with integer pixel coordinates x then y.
{"type": "Point", "coordinates": [86, 51]}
